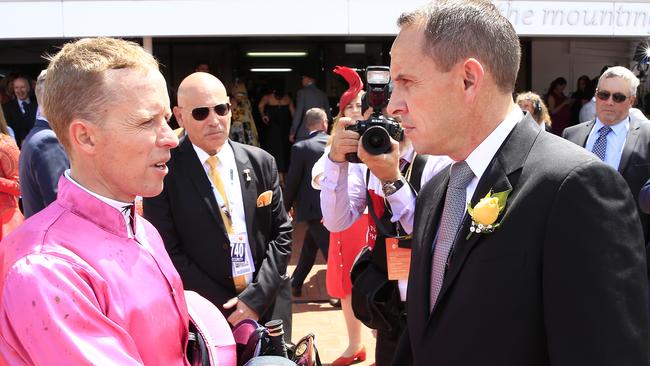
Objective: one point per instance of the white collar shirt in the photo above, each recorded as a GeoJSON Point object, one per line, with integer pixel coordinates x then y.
{"type": "Point", "coordinates": [479, 159]}
{"type": "Point", "coordinates": [227, 168]}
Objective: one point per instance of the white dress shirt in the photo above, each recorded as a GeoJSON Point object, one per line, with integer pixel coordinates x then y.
{"type": "Point", "coordinates": [227, 168]}
{"type": "Point", "coordinates": [343, 188]}
{"type": "Point", "coordinates": [479, 159]}
{"type": "Point", "coordinates": [343, 195]}
{"type": "Point", "coordinates": [588, 111]}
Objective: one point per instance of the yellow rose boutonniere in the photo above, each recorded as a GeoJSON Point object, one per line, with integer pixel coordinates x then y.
{"type": "Point", "coordinates": [486, 212]}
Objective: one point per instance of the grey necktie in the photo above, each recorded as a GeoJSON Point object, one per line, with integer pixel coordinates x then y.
{"type": "Point", "coordinates": [22, 105]}
{"type": "Point", "coordinates": [452, 214]}
{"type": "Point", "coordinates": [600, 146]}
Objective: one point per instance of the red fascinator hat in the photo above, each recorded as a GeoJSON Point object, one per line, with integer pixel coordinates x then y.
{"type": "Point", "coordinates": [354, 80]}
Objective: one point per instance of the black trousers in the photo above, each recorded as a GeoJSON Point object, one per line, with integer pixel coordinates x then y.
{"type": "Point", "coordinates": [387, 344]}
{"type": "Point", "coordinates": [316, 237]}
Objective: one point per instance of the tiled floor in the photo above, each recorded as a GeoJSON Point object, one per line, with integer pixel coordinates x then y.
{"type": "Point", "coordinates": [312, 312]}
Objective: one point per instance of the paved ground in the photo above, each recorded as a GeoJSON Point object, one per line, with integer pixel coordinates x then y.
{"type": "Point", "coordinates": [313, 313]}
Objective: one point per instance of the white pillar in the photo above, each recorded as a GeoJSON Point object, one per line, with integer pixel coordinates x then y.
{"type": "Point", "coordinates": [147, 44]}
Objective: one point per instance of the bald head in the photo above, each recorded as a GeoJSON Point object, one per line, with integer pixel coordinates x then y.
{"type": "Point", "coordinates": [199, 86]}
{"type": "Point", "coordinates": [209, 126]}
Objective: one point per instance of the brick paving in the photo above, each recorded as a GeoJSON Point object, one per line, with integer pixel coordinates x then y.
{"type": "Point", "coordinates": [313, 313]}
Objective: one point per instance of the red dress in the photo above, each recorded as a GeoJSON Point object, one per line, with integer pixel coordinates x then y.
{"type": "Point", "coordinates": [10, 215]}
{"type": "Point", "coordinates": [343, 249]}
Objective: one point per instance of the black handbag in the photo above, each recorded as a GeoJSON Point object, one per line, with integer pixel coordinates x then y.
{"type": "Point", "coordinates": [375, 299]}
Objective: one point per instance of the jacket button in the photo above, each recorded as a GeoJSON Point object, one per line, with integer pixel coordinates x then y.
{"type": "Point", "coordinates": [225, 246]}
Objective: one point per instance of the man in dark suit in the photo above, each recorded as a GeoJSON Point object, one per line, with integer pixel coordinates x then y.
{"type": "Point", "coordinates": [20, 113]}
{"type": "Point", "coordinates": [305, 200]}
{"type": "Point", "coordinates": [221, 213]}
{"type": "Point", "coordinates": [42, 161]}
{"type": "Point", "coordinates": [625, 141]}
{"type": "Point", "coordinates": [308, 97]}
{"type": "Point", "coordinates": [548, 271]}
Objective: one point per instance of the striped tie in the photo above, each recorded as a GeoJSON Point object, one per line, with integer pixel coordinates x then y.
{"type": "Point", "coordinates": [452, 214]}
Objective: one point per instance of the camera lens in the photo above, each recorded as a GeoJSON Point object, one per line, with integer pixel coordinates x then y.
{"type": "Point", "coordinates": [376, 140]}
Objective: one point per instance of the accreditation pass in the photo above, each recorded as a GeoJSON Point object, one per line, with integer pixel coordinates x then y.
{"type": "Point", "coordinates": [240, 254]}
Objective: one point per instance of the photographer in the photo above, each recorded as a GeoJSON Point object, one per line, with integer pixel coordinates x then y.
{"type": "Point", "coordinates": [344, 197]}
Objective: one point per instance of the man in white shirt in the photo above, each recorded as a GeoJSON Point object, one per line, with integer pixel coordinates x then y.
{"type": "Point", "coordinates": [388, 191]}
{"type": "Point", "coordinates": [588, 111]}
{"type": "Point", "coordinates": [552, 248]}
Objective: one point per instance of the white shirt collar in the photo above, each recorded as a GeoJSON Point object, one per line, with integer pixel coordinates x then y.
{"type": "Point", "coordinates": [479, 159]}
{"type": "Point", "coordinates": [224, 154]}
{"type": "Point", "coordinates": [620, 127]}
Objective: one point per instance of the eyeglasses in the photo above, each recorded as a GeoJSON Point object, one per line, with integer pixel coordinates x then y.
{"type": "Point", "coordinates": [616, 97]}
{"type": "Point", "coordinates": [202, 113]}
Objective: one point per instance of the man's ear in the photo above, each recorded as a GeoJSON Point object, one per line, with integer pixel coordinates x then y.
{"type": "Point", "coordinates": [178, 115]}
{"type": "Point", "coordinates": [632, 100]}
{"type": "Point", "coordinates": [82, 135]}
{"type": "Point", "coordinates": [473, 76]}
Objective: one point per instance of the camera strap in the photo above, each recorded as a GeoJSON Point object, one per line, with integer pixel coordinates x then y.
{"type": "Point", "coordinates": [413, 179]}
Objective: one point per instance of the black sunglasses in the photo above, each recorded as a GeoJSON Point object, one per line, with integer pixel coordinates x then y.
{"type": "Point", "coordinates": [617, 97]}
{"type": "Point", "coordinates": [202, 113]}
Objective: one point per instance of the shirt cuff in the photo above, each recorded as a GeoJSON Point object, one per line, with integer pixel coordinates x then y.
{"type": "Point", "coordinates": [402, 204]}
{"type": "Point", "coordinates": [332, 177]}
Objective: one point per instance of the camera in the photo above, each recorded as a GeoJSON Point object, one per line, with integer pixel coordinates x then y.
{"type": "Point", "coordinates": [378, 129]}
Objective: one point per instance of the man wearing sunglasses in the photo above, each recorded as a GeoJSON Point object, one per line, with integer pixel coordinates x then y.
{"type": "Point", "coordinates": [620, 141]}
{"type": "Point", "coordinates": [221, 214]}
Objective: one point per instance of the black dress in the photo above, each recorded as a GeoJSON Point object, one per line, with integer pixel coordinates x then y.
{"type": "Point", "coordinates": [277, 134]}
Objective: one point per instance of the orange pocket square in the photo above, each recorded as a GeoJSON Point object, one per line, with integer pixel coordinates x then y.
{"type": "Point", "coordinates": [264, 199]}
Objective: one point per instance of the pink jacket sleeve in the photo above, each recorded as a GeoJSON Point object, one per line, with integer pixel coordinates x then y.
{"type": "Point", "coordinates": [52, 313]}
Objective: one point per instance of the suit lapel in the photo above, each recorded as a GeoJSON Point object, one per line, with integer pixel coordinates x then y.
{"type": "Point", "coordinates": [583, 135]}
{"type": "Point", "coordinates": [502, 174]}
{"type": "Point", "coordinates": [628, 148]}
{"type": "Point", "coordinates": [247, 183]}
{"type": "Point", "coordinates": [196, 173]}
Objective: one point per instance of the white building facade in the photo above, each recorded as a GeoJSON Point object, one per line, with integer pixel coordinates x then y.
{"type": "Point", "coordinates": [559, 38]}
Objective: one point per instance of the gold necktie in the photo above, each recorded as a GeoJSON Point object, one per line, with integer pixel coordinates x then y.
{"type": "Point", "coordinates": [215, 177]}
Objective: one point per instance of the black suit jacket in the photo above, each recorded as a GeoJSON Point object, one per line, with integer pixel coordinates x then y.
{"type": "Point", "coordinates": [635, 159]}
{"type": "Point", "coordinates": [298, 191]}
{"type": "Point", "coordinates": [188, 218]}
{"type": "Point", "coordinates": [308, 97]}
{"type": "Point", "coordinates": [561, 282]}
{"type": "Point", "coordinates": [19, 122]}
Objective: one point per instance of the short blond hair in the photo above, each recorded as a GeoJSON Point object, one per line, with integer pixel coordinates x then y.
{"type": "Point", "coordinates": [77, 86]}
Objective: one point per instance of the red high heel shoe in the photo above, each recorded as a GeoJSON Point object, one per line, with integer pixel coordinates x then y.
{"type": "Point", "coordinates": [359, 356]}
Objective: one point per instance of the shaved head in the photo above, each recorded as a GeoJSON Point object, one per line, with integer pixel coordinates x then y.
{"type": "Point", "coordinates": [198, 86]}
{"type": "Point", "coordinates": [204, 91]}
